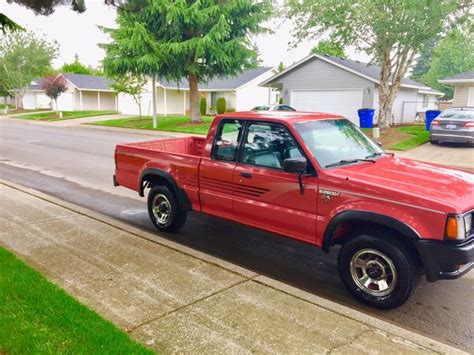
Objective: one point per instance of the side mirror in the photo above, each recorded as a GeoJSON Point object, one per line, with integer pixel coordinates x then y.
{"type": "Point", "coordinates": [295, 165]}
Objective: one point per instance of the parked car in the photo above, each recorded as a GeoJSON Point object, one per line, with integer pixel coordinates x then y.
{"type": "Point", "coordinates": [279, 107]}
{"type": "Point", "coordinates": [453, 125]}
{"type": "Point", "coordinates": [318, 179]}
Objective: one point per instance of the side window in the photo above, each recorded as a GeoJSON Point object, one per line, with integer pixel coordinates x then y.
{"type": "Point", "coordinates": [227, 140]}
{"type": "Point", "coordinates": [268, 145]}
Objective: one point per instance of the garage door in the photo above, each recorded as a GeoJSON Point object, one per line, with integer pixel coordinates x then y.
{"type": "Point", "coordinates": [340, 102]}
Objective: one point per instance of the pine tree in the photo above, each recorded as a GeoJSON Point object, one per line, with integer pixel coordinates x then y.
{"type": "Point", "coordinates": [193, 40]}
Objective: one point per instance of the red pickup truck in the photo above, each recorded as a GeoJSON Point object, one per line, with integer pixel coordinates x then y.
{"type": "Point", "coordinates": [316, 178]}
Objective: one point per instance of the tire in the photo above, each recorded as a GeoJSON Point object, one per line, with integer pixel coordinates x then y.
{"type": "Point", "coordinates": [434, 142]}
{"type": "Point", "coordinates": [170, 218]}
{"type": "Point", "coordinates": [381, 272]}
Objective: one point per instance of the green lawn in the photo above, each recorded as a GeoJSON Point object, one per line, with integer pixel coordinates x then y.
{"type": "Point", "coordinates": [67, 115]}
{"type": "Point", "coordinates": [419, 136]}
{"type": "Point", "coordinates": [166, 123]}
{"type": "Point", "coordinates": [2, 106]}
{"type": "Point", "coordinates": [402, 138]}
{"type": "Point", "coordinates": [37, 317]}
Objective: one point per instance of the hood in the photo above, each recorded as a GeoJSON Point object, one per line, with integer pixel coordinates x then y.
{"type": "Point", "coordinates": [419, 181]}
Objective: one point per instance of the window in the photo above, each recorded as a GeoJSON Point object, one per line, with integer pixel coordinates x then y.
{"type": "Point", "coordinates": [227, 140]}
{"type": "Point", "coordinates": [268, 145]}
{"type": "Point", "coordinates": [333, 141]}
{"type": "Point", "coordinates": [425, 100]}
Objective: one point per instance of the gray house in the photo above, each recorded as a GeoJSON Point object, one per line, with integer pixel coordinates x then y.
{"type": "Point", "coordinates": [324, 83]}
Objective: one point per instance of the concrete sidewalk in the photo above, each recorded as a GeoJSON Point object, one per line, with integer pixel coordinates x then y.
{"type": "Point", "coordinates": [175, 299]}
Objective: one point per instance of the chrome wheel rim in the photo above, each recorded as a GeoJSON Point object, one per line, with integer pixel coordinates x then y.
{"type": "Point", "coordinates": [373, 272]}
{"type": "Point", "coordinates": [161, 209]}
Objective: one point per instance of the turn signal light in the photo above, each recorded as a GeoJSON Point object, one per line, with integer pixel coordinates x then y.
{"type": "Point", "coordinates": [452, 228]}
{"type": "Point", "coordinates": [469, 124]}
{"type": "Point", "coordinates": [435, 123]}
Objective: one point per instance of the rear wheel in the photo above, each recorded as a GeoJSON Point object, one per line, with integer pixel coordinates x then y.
{"type": "Point", "coordinates": [434, 142]}
{"type": "Point", "coordinates": [164, 210]}
{"type": "Point", "coordinates": [379, 272]}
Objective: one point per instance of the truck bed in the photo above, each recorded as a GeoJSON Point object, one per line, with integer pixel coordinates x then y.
{"type": "Point", "coordinates": [187, 145]}
{"type": "Point", "coordinates": [179, 157]}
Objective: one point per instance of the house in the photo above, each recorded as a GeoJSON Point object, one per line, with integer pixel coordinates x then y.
{"type": "Point", "coordinates": [85, 92]}
{"type": "Point", "coordinates": [330, 84]}
{"type": "Point", "coordinates": [242, 93]}
{"type": "Point", "coordinates": [463, 88]}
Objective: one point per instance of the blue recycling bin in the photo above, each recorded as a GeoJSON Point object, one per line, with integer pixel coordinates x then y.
{"type": "Point", "coordinates": [366, 117]}
{"type": "Point", "coordinates": [430, 116]}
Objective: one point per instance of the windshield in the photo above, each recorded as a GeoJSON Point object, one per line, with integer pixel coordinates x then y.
{"type": "Point", "coordinates": [336, 141]}
{"type": "Point", "coordinates": [458, 114]}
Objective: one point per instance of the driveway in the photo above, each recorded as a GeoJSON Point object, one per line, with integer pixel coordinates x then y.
{"type": "Point", "coordinates": [451, 155]}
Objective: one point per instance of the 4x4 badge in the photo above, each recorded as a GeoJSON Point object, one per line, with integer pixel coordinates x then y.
{"type": "Point", "coordinates": [327, 194]}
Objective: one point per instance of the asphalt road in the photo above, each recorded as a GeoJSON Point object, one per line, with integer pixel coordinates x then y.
{"type": "Point", "coordinates": [76, 164]}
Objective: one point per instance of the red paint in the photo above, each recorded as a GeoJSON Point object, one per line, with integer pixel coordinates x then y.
{"type": "Point", "coordinates": [416, 193]}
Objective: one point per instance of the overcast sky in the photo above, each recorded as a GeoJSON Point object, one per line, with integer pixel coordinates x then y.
{"type": "Point", "coordinates": [78, 33]}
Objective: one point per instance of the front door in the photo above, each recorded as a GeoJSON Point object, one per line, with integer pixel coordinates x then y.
{"type": "Point", "coordinates": [216, 173]}
{"type": "Point", "coordinates": [265, 195]}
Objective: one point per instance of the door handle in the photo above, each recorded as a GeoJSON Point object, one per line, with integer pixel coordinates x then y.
{"type": "Point", "coordinates": [246, 175]}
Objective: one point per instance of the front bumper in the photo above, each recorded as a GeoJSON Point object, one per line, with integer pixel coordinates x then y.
{"type": "Point", "coordinates": [443, 260]}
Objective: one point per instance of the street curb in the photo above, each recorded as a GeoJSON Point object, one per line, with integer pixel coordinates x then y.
{"type": "Point", "coordinates": [371, 321]}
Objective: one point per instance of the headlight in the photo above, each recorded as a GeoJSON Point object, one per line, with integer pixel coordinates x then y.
{"type": "Point", "coordinates": [458, 227]}
{"type": "Point", "coordinates": [468, 223]}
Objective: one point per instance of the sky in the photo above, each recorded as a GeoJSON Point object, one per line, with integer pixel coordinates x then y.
{"type": "Point", "coordinates": [79, 34]}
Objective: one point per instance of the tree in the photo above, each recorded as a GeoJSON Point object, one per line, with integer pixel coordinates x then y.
{"type": "Point", "coordinates": [76, 67]}
{"type": "Point", "coordinates": [132, 85]}
{"type": "Point", "coordinates": [203, 106]}
{"type": "Point", "coordinates": [193, 40]}
{"type": "Point", "coordinates": [40, 7]}
{"type": "Point", "coordinates": [24, 57]}
{"type": "Point", "coordinates": [54, 86]}
{"type": "Point", "coordinates": [281, 67]}
{"type": "Point", "coordinates": [221, 105]}
{"type": "Point", "coordinates": [329, 47]}
{"type": "Point", "coordinates": [453, 55]}
{"type": "Point", "coordinates": [423, 62]}
{"type": "Point", "coordinates": [391, 32]}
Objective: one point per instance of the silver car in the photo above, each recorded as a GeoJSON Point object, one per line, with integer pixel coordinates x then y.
{"type": "Point", "coordinates": [453, 125]}
{"type": "Point", "coordinates": [278, 107]}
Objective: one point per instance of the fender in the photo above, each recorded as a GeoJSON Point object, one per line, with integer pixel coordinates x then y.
{"type": "Point", "coordinates": [383, 220]}
{"type": "Point", "coordinates": [181, 195]}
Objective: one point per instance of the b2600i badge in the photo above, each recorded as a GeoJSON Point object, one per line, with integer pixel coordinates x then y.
{"type": "Point", "coordinates": [327, 194]}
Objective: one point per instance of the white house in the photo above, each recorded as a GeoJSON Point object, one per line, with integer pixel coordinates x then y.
{"type": "Point", "coordinates": [85, 92]}
{"type": "Point", "coordinates": [242, 93]}
{"type": "Point", "coordinates": [330, 84]}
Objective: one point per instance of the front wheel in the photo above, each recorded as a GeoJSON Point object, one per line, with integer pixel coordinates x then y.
{"type": "Point", "coordinates": [164, 210]}
{"type": "Point", "coordinates": [377, 271]}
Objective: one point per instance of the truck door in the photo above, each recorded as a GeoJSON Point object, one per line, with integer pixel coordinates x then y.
{"type": "Point", "coordinates": [265, 195]}
{"type": "Point", "coordinates": [216, 173]}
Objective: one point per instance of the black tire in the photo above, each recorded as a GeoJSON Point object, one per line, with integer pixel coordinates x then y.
{"type": "Point", "coordinates": [393, 254]}
{"type": "Point", "coordinates": [176, 216]}
{"type": "Point", "coordinates": [434, 142]}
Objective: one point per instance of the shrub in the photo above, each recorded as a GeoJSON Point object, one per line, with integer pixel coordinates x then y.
{"type": "Point", "coordinates": [221, 105]}
{"type": "Point", "coordinates": [230, 109]}
{"type": "Point", "coordinates": [203, 106]}
{"type": "Point", "coordinates": [280, 100]}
